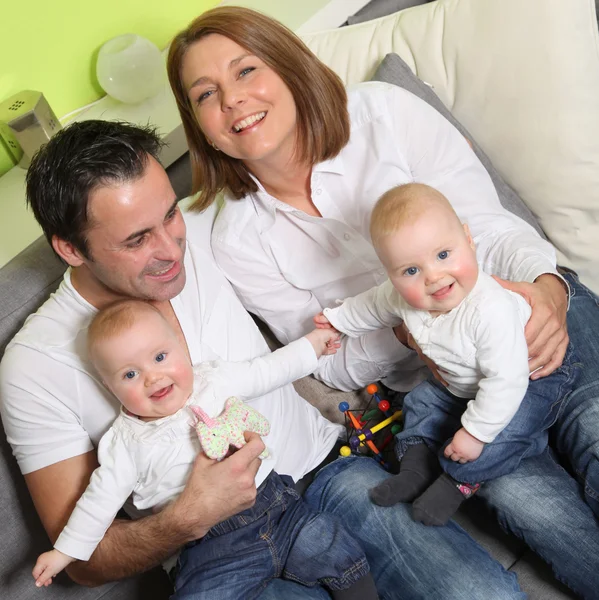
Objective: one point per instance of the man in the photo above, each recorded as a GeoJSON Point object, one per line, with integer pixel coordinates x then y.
{"type": "Point", "coordinates": [107, 208]}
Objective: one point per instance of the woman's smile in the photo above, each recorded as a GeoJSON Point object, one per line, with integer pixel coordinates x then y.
{"type": "Point", "coordinates": [246, 123]}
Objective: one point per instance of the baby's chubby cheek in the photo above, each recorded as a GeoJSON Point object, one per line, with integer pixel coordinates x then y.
{"type": "Point", "coordinates": [416, 300]}
{"type": "Point", "coordinates": [466, 275]}
{"type": "Point", "coordinates": [413, 295]}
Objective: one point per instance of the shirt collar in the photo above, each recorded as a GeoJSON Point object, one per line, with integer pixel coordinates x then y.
{"type": "Point", "coordinates": [332, 165]}
{"type": "Point", "coordinates": [266, 206]}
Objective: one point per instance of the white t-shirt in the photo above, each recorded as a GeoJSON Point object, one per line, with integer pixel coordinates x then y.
{"type": "Point", "coordinates": [54, 407]}
{"type": "Point", "coordinates": [151, 461]}
{"type": "Point", "coordinates": [286, 266]}
{"type": "Point", "coordinates": [479, 346]}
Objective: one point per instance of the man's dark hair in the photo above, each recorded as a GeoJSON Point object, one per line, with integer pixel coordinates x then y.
{"type": "Point", "coordinates": [77, 160]}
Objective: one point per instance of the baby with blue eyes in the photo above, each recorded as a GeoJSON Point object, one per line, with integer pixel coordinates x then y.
{"type": "Point", "coordinates": [148, 452]}
{"type": "Point", "coordinates": [467, 428]}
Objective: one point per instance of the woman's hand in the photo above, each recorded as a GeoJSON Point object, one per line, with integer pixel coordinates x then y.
{"type": "Point", "coordinates": [546, 331]}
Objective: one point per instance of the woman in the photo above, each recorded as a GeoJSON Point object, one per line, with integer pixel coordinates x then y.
{"type": "Point", "coordinates": [301, 165]}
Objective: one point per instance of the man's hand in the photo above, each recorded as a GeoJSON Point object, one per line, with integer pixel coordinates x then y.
{"type": "Point", "coordinates": [217, 490]}
{"type": "Point", "coordinates": [464, 447]}
{"type": "Point", "coordinates": [546, 331]}
{"type": "Point", "coordinates": [405, 337]}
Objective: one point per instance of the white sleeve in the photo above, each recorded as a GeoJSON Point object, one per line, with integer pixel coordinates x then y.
{"type": "Point", "coordinates": [502, 356]}
{"type": "Point", "coordinates": [219, 379]}
{"type": "Point", "coordinates": [379, 307]}
{"type": "Point", "coordinates": [41, 428]}
{"type": "Point", "coordinates": [109, 487]}
{"type": "Point", "coordinates": [437, 154]}
{"type": "Point", "coordinates": [289, 313]}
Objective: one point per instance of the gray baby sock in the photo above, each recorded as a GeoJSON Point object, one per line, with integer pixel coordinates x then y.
{"type": "Point", "coordinates": [417, 469]}
{"type": "Point", "coordinates": [441, 500]}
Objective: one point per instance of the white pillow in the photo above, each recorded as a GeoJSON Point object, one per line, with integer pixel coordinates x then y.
{"type": "Point", "coordinates": [523, 78]}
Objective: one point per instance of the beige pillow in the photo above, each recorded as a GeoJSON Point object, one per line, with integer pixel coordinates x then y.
{"type": "Point", "coordinates": [523, 78]}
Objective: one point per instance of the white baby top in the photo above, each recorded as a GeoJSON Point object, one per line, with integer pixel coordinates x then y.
{"type": "Point", "coordinates": [151, 461]}
{"type": "Point", "coordinates": [479, 346]}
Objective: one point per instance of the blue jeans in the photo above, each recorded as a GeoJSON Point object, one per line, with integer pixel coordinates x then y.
{"type": "Point", "coordinates": [407, 560]}
{"type": "Point", "coordinates": [432, 416]}
{"type": "Point", "coordinates": [280, 536]}
{"type": "Point", "coordinates": [576, 433]}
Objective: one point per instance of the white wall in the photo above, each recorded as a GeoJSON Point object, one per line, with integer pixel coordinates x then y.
{"type": "Point", "coordinates": [305, 16]}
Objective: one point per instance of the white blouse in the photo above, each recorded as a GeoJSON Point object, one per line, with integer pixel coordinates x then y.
{"type": "Point", "coordinates": [286, 266]}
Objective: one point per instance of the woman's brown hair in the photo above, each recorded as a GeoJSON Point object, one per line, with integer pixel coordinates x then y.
{"type": "Point", "coordinates": [319, 94]}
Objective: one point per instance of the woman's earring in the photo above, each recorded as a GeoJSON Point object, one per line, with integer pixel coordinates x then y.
{"type": "Point", "coordinates": [214, 145]}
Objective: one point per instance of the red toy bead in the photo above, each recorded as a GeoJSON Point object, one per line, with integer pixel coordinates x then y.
{"type": "Point", "coordinates": [384, 405]}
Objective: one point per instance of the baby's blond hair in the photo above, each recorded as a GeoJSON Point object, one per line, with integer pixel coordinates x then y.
{"type": "Point", "coordinates": [403, 204]}
{"type": "Point", "coordinates": [115, 319]}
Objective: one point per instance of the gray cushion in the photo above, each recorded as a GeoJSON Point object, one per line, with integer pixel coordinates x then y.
{"type": "Point", "coordinates": [394, 70]}
{"type": "Point", "coordinates": [25, 284]}
{"type": "Point", "coordinates": [380, 8]}
{"type": "Point", "coordinates": [179, 174]}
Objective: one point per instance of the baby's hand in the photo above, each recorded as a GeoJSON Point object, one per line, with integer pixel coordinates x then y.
{"type": "Point", "coordinates": [48, 565]}
{"type": "Point", "coordinates": [321, 322]}
{"type": "Point", "coordinates": [324, 341]}
{"type": "Point", "coordinates": [464, 447]}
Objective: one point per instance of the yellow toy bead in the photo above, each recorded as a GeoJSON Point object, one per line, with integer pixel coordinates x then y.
{"type": "Point", "coordinates": [345, 451]}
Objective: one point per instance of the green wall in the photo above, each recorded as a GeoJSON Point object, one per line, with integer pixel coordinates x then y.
{"type": "Point", "coordinates": [51, 46]}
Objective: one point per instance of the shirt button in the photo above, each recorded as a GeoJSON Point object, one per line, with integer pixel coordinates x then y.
{"type": "Point", "coordinates": [347, 236]}
{"type": "Point", "coordinates": [319, 191]}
